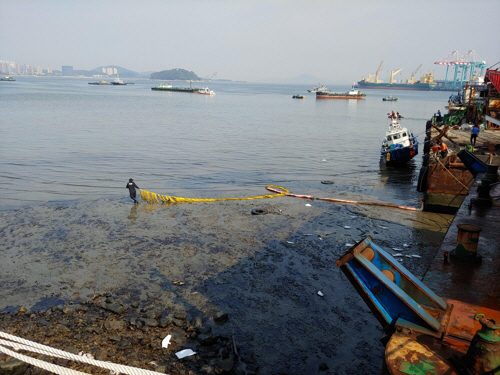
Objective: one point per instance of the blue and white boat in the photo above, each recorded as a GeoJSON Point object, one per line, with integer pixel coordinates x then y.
{"type": "Point", "coordinates": [399, 145]}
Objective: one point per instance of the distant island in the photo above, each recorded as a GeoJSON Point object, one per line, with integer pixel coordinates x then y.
{"type": "Point", "coordinates": [175, 75]}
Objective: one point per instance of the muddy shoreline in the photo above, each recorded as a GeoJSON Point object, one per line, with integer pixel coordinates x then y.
{"type": "Point", "coordinates": [205, 260]}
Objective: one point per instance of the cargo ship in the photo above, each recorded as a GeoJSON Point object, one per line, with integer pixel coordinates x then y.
{"type": "Point", "coordinates": [426, 82]}
{"type": "Point", "coordinates": [396, 86]}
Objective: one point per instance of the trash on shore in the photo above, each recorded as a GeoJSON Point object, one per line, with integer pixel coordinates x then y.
{"type": "Point", "coordinates": [397, 249]}
{"type": "Point", "coordinates": [405, 245]}
{"type": "Point", "coordinates": [290, 242]}
{"type": "Point", "coordinates": [166, 341]}
{"type": "Point", "coordinates": [347, 227]}
{"type": "Point", "coordinates": [349, 244]}
{"type": "Point", "coordinates": [308, 205]}
{"type": "Point", "coordinates": [416, 256]}
{"type": "Point", "coordinates": [320, 293]}
{"type": "Point", "coordinates": [184, 353]}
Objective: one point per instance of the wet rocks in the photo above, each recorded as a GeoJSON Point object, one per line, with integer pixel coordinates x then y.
{"type": "Point", "coordinates": [13, 367]}
{"type": "Point", "coordinates": [112, 332]}
{"type": "Point", "coordinates": [113, 307]}
{"type": "Point", "coordinates": [220, 317]}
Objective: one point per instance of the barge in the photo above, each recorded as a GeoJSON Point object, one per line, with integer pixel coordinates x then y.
{"type": "Point", "coordinates": [168, 87]}
{"type": "Point", "coordinates": [352, 94]}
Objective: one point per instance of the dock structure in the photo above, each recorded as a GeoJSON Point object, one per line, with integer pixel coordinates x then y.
{"type": "Point", "coordinates": [448, 322]}
{"type": "Point", "coordinates": [468, 281]}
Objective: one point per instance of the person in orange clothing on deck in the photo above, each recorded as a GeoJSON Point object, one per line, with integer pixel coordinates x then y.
{"type": "Point", "coordinates": [443, 149]}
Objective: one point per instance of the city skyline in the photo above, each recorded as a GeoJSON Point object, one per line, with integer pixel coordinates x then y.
{"type": "Point", "coordinates": [254, 41]}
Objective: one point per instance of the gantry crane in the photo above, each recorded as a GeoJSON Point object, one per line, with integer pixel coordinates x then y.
{"type": "Point", "coordinates": [393, 73]}
{"type": "Point", "coordinates": [378, 72]}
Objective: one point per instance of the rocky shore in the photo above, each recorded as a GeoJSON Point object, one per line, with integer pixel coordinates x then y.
{"type": "Point", "coordinates": [127, 334]}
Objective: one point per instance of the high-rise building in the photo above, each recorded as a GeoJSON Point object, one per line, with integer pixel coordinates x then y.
{"type": "Point", "coordinates": [67, 70]}
{"type": "Point", "coordinates": [49, 70]}
{"type": "Point", "coordinates": [39, 70]}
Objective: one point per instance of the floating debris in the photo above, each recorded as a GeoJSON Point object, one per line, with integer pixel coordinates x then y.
{"type": "Point", "coordinates": [408, 256]}
{"type": "Point", "coordinates": [308, 205]}
{"type": "Point", "coordinates": [381, 226]}
{"type": "Point", "coordinates": [307, 234]}
{"type": "Point", "coordinates": [416, 256]}
{"type": "Point", "coordinates": [349, 244]}
{"type": "Point", "coordinates": [320, 293]}
{"type": "Point", "coordinates": [290, 242]}
{"type": "Point", "coordinates": [405, 245]}
{"type": "Point", "coordinates": [323, 160]}
{"type": "Point", "coordinates": [347, 227]}
{"type": "Point", "coordinates": [397, 249]}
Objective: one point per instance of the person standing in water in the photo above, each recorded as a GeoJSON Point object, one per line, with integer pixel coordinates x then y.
{"type": "Point", "coordinates": [131, 188]}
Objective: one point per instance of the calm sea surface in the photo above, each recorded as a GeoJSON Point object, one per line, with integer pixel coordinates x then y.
{"type": "Point", "coordinates": [63, 139]}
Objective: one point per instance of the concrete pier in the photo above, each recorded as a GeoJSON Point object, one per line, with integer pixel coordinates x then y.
{"type": "Point", "coordinates": [477, 284]}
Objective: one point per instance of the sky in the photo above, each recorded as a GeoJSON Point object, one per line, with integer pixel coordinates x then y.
{"type": "Point", "coordinates": [336, 41]}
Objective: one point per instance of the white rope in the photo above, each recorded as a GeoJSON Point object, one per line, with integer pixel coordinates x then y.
{"type": "Point", "coordinates": [20, 343]}
{"type": "Point", "coordinates": [41, 364]}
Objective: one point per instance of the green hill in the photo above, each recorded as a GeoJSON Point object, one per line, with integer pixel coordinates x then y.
{"type": "Point", "coordinates": [175, 75]}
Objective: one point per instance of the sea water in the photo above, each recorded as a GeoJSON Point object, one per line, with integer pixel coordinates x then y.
{"type": "Point", "coordinates": [63, 139]}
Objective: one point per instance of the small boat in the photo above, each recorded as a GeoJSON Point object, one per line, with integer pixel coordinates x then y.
{"type": "Point", "coordinates": [119, 81]}
{"type": "Point", "coordinates": [7, 78]}
{"type": "Point", "coordinates": [390, 99]}
{"type": "Point", "coordinates": [319, 88]}
{"type": "Point", "coordinates": [100, 83]}
{"type": "Point", "coordinates": [399, 145]}
{"type": "Point", "coordinates": [298, 96]}
{"type": "Point", "coordinates": [352, 94]}
{"type": "Point", "coordinates": [206, 91]}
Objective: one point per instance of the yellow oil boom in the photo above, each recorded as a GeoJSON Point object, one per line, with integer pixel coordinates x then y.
{"type": "Point", "coordinates": [378, 72]}
{"type": "Point", "coordinates": [412, 79]}
{"type": "Point", "coordinates": [393, 73]}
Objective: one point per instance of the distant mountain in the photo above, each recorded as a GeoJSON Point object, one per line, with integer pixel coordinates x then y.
{"type": "Point", "coordinates": [175, 75]}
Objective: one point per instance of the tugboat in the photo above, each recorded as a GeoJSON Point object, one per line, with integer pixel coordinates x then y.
{"type": "Point", "coordinates": [7, 78]}
{"type": "Point", "coordinates": [319, 88]}
{"type": "Point", "coordinates": [206, 91]}
{"type": "Point", "coordinates": [399, 145]}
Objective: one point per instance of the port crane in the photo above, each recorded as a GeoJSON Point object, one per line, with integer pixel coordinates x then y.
{"type": "Point", "coordinates": [378, 72]}
{"type": "Point", "coordinates": [393, 73]}
{"type": "Point", "coordinates": [212, 77]}
{"type": "Point", "coordinates": [412, 79]}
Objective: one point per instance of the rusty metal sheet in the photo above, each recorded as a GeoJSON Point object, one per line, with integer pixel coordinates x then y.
{"type": "Point", "coordinates": [407, 354]}
{"type": "Point", "coordinates": [441, 180]}
{"type": "Point", "coordinates": [462, 323]}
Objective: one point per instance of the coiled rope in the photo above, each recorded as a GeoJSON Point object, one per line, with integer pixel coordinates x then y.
{"type": "Point", "coordinates": [151, 197]}
{"type": "Point", "coordinates": [17, 343]}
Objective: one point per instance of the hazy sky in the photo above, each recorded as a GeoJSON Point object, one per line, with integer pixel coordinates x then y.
{"type": "Point", "coordinates": [336, 41]}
